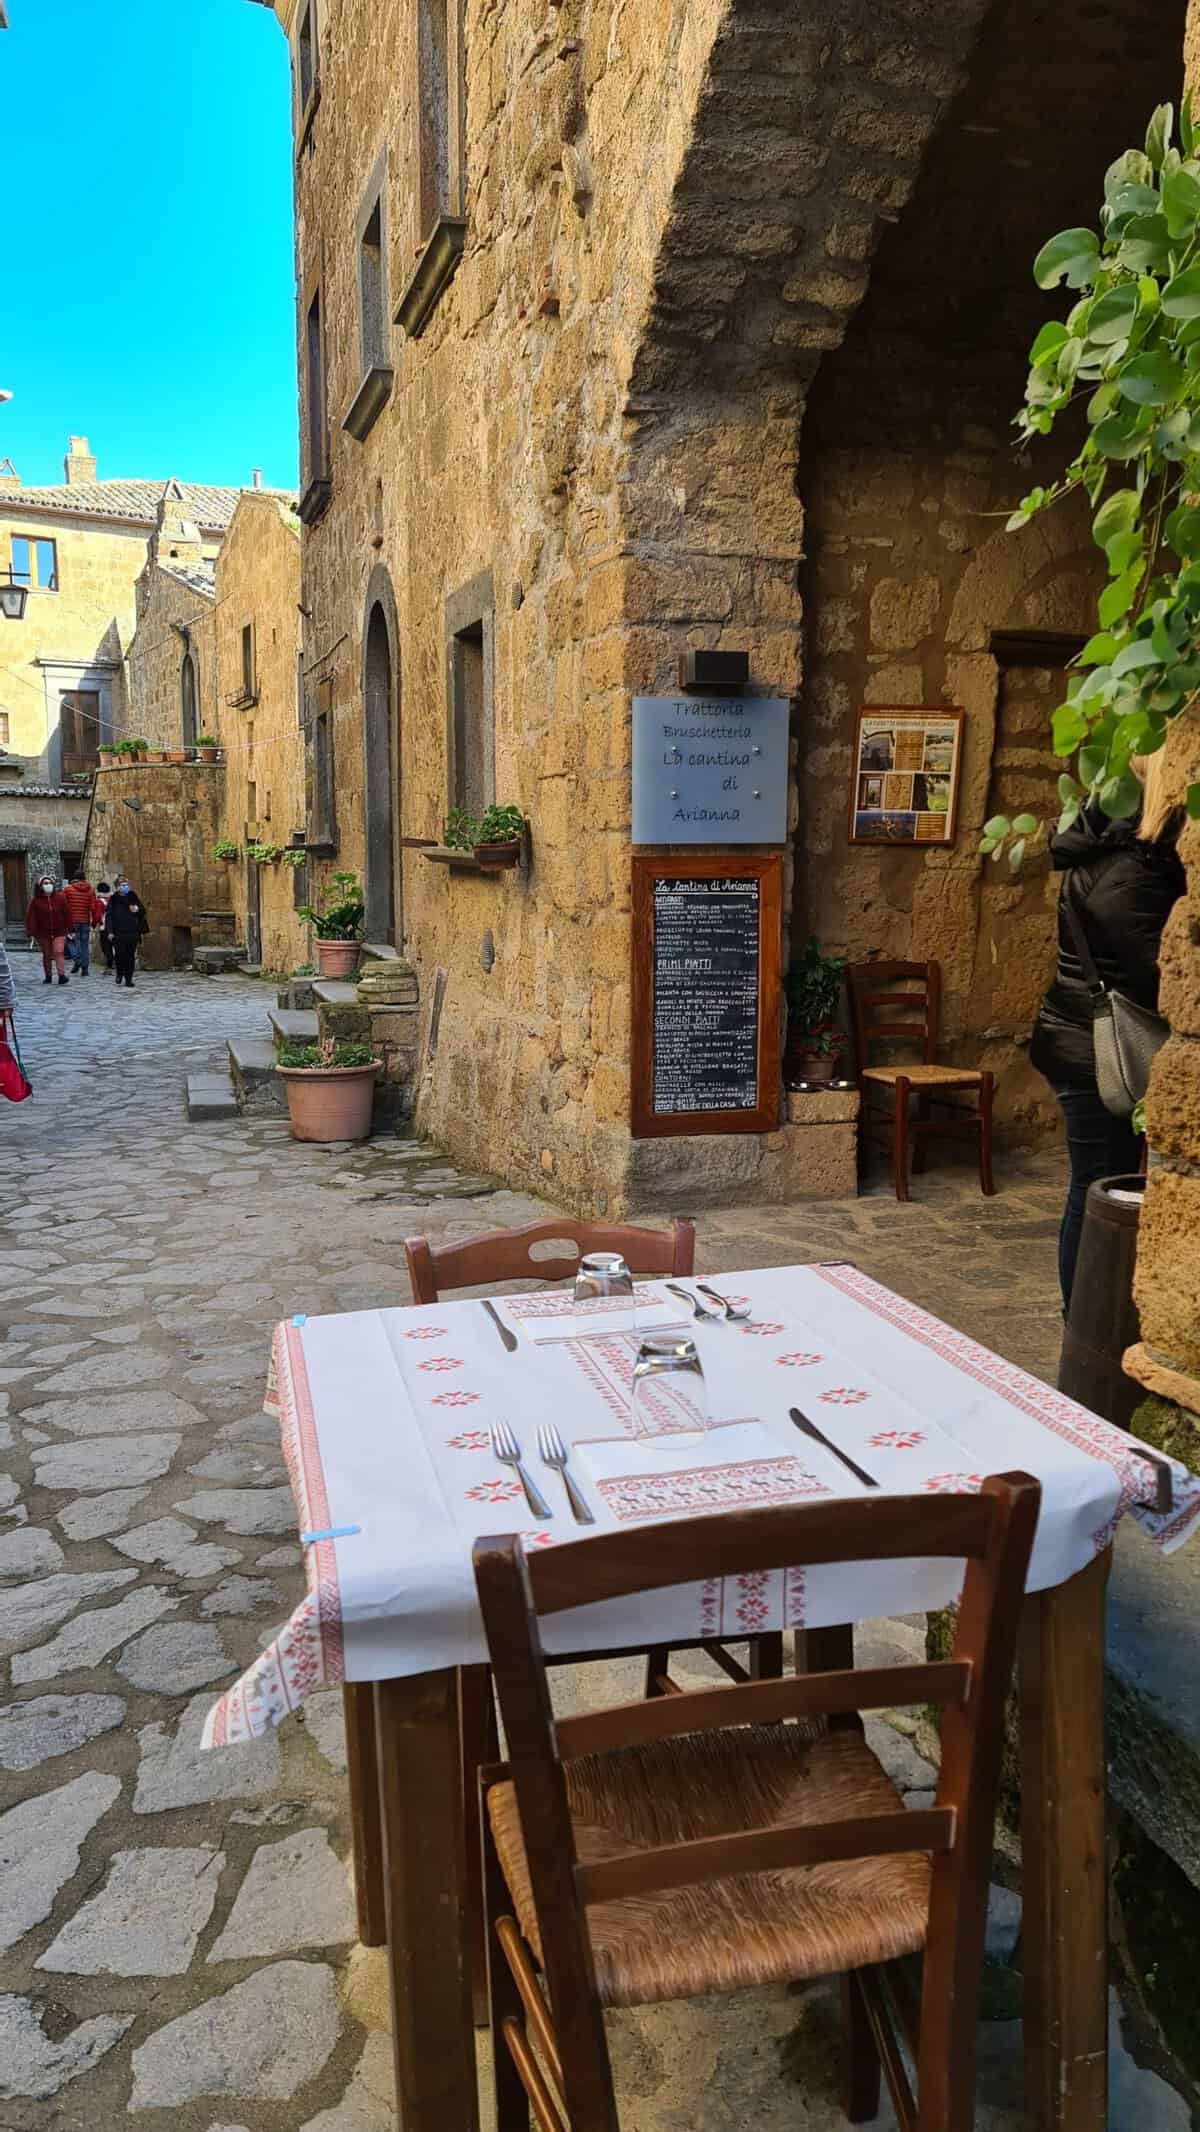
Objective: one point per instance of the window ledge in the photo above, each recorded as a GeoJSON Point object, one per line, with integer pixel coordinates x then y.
{"type": "Point", "coordinates": [369, 401]}
{"type": "Point", "coordinates": [315, 500]}
{"type": "Point", "coordinates": [433, 271]}
{"type": "Point", "coordinates": [465, 861]}
{"type": "Point", "coordinates": [242, 699]}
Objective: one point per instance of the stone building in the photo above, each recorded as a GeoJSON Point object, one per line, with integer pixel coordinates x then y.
{"type": "Point", "coordinates": [79, 547]}
{"type": "Point", "coordinates": [628, 332]}
{"type": "Point", "coordinates": [170, 666]}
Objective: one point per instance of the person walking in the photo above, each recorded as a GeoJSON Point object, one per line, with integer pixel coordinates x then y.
{"type": "Point", "coordinates": [126, 923]}
{"type": "Point", "coordinates": [46, 921]}
{"type": "Point", "coordinates": [1122, 879]}
{"type": "Point", "coordinates": [103, 892]}
{"type": "Point", "coordinates": [84, 909]}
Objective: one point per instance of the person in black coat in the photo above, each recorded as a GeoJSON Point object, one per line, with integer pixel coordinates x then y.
{"type": "Point", "coordinates": [1122, 878]}
{"type": "Point", "coordinates": [125, 923]}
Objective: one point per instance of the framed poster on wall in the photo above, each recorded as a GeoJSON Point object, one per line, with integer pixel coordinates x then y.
{"type": "Point", "coordinates": [907, 761]}
{"type": "Point", "coordinates": [706, 990]}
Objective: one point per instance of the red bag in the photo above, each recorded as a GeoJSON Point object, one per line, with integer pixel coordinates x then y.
{"type": "Point", "coordinates": [13, 1082]}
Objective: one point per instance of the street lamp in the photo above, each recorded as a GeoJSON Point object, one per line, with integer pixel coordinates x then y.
{"type": "Point", "coordinates": [12, 598]}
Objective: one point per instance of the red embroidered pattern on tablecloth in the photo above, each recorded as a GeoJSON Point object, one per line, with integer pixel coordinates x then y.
{"type": "Point", "coordinates": [424, 1332]}
{"type": "Point", "coordinates": [798, 1362]}
{"type": "Point", "coordinates": [473, 1440]}
{"type": "Point", "coordinates": [953, 1483]}
{"type": "Point", "coordinates": [1099, 1439]}
{"type": "Point", "coordinates": [896, 1439]}
{"type": "Point", "coordinates": [844, 1395]}
{"type": "Point", "coordinates": [497, 1491]}
{"type": "Point", "coordinates": [761, 1331]}
{"type": "Point", "coordinates": [750, 1604]}
{"type": "Point", "coordinates": [794, 1596]}
{"type": "Point", "coordinates": [455, 1399]}
{"type": "Point", "coordinates": [710, 1606]}
{"type": "Point", "coordinates": [441, 1362]}
{"type": "Point", "coordinates": [746, 1485]}
{"type": "Point", "coordinates": [560, 1303]}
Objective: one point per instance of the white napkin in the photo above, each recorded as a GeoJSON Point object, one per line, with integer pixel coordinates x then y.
{"type": "Point", "coordinates": [551, 1315]}
{"type": "Point", "coordinates": [741, 1467]}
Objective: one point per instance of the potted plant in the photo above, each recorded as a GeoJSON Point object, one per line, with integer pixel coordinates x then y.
{"type": "Point", "coordinates": [499, 835]}
{"type": "Point", "coordinates": [152, 755]}
{"type": "Point", "coordinates": [264, 854]}
{"type": "Point", "coordinates": [460, 831]}
{"type": "Point", "coordinates": [176, 755]}
{"type": "Point", "coordinates": [225, 848]}
{"type": "Point", "coordinates": [330, 1088]}
{"type": "Point", "coordinates": [337, 920]}
{"type": "Point", "coordinates": [207, 749]}
{"type": "Point", "coordinates": [138, 749]}
{"type": "Point", "coordinates": [813, 990]}
{"type": "Point", "coordinates": [109, 756]}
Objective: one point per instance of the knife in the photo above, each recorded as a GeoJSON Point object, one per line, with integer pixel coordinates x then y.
{"type": "Point", "coordinates": [809, 1428]}
{"type": "Point", "coordinates": [509, 1338]}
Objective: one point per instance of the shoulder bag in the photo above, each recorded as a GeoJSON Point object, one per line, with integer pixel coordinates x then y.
{"type": "Point", "coordinates": [13, 1081]}
{"type": "Point", "coordinates": [1126, 1036]}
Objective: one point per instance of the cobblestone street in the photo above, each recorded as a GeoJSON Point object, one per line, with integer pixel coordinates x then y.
{"type": "Point", "coordinates": [176, 1929]}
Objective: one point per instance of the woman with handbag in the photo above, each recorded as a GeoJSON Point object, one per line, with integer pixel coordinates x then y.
{"type": "Point", "coordinates": [13, 1083]}
{"type": "Point", "coordinates": [1098, 1027]}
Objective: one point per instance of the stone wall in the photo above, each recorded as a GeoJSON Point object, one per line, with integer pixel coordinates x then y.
{"type": "Point", "coordinates": [156, 823]}
{"type": "Point", "coordinates": [175, 616]}
{"type": "Point", "coordinates": [258, 586]}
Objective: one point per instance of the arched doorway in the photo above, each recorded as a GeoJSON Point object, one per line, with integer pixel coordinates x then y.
{"type": "Point", "coordinates": [187, 693]}
{"type": "Point", "coordinates": [380, 798]}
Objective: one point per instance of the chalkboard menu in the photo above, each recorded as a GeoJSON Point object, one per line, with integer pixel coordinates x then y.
{"type": "Point", "coordinates": [705, 1049]}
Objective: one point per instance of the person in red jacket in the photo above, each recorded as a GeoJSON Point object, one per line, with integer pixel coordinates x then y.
{"type": "Point", "coordinates": [84, 910]}
{"type": "Point", "coordinates": [46, 921]}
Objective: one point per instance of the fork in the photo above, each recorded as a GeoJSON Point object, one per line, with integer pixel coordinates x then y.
{"type": "Point", "coordinates": [554, 1453]}
{"type": "Point", "coordinates": [734, 1315]}
{"type": "Point", "coordinates": [506, 1448]}
{"type": "Point", "coordinates": [693, 1302]}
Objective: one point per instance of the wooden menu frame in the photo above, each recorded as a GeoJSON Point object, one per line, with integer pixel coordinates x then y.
{"type": "Point", "coordinates": [892, 764]}
{"type": "Point", "coordinates": [767, 869]}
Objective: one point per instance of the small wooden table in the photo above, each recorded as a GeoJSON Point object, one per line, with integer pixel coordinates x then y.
{"type": "Point", "coordinates": [412, 1884]}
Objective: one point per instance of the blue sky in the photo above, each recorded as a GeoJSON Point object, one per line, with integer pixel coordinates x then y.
{"type": "Point", "coordinates": [146, 281]}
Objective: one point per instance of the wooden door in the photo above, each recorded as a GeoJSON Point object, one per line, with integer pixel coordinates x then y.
{"type": "Point", "coordinates": [15, 893]}
{"type": "Point", "coordinates": [79, 730]}
{"type": "Point", "coordinates": [253, 914]}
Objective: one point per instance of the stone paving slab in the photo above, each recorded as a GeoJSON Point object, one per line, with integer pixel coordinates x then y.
{"type": "Point", "coordinates": [160, 1961]}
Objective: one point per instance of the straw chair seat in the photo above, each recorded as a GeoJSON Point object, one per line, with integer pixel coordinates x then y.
{"type": "Point", "coordinates": [923, 1076]}
{"type": "Point", "coordinates": [760, 1928]}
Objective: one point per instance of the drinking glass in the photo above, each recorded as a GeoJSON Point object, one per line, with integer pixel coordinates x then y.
{"type": "Point", "coordinates": [602, 1278]}
{"type": "Point", "coordinates": [669, 1403]}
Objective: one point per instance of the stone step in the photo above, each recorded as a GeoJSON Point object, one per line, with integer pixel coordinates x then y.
{"type": "Point", "coordinates": [210, 1095]}
{"type": "Point", "coordinates": [293, 1025]}
{"type": "Point", "coordinates": [380, 951]}
{"type": "Point", "coordinates": [256, 1083]}
{"type": "Point", "coordinates": [335, 992]}
{"type": "Point", "coordinates": [210, 962]}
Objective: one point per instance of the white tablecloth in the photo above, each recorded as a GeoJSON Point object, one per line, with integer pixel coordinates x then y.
{"type": "Point", "coordinates": [384, 1417]}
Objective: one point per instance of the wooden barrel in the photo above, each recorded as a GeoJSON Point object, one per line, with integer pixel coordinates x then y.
{"type": "Point", "coordinates": [1103, 1321]}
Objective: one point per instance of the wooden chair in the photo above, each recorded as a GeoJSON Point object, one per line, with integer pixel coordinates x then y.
{"type": "Point", "coordinates": [699, 1843]}
{"type": "Point", "coordinates": [900, 1003]}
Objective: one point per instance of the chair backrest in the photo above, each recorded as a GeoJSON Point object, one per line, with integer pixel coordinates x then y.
{"type": "Point", "coordinates": [506, 1254]}
{"type": "Point", "coordinates": [895, 1003]}
{"type": "Point", "coordinates": [992, 1531]}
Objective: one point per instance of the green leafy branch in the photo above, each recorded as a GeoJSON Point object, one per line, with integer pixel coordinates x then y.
{"type": "Point", "coordinates": [1129, 350]}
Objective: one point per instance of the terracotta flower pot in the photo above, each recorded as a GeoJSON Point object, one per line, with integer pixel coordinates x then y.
{"type": "Point", "coordinates": [207, 754]}
{"type": "Point", "coordinates": [338, 958]}
{"type": "Point", "coordinates": [108, 757]}
{"type": "Point", "coordinates": [152, 755]}
{"type": "Point", "coordinates": [497, 855]}
{"type": "Point", "coordinates": [329, 1102]}
{"type": "Point", "coordinates": [176, 755]}
{"type": "Point", "coordinates": [816, 1067]}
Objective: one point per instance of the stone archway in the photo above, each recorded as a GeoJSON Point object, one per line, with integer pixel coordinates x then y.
{"type": "Point", "coordinates": [381, 795]}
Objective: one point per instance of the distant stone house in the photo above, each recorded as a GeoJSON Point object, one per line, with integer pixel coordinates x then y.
{"type": "Point", "coordinates": [628, 332]}
{"type": "Point", "coordinates": [79, 548]}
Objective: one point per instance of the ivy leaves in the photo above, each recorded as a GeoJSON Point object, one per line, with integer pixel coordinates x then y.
{"type": "Point", "coordinates": [1128, 352]}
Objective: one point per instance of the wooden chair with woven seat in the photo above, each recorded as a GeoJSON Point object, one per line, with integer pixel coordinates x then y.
{"type": "Point", "coordinates": [900, 1003]}
{"type": "Point", "coordinates": [703, 1843]}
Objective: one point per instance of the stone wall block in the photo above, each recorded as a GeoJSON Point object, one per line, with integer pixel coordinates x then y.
{"type": "Point", "coordinates": [1179, 968]}
{"type": "Point", "coordinates": [1167, 1276]}
{"type": "Point", "coordinates": [903, 612]}
{"type": "Point", "coordinates": [1173, 1101]}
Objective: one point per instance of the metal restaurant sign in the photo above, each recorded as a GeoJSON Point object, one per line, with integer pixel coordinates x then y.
{"type": "Point", "coordinates": [710, 769]}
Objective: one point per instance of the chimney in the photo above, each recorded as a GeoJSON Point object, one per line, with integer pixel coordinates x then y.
{"type": "Point", "coordinates": [9, 477]}
{"type": "Point", "coordinates": [256, 477]}
{"type": "Point", "coordinates": [79, 465]}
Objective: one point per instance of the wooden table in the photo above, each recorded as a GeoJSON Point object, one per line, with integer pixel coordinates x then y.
{"type": "Point", "coordinates": [412, 1883]}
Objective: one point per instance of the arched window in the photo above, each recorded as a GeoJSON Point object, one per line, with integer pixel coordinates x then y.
{"type": "Point", "coordinates": [187, 690]}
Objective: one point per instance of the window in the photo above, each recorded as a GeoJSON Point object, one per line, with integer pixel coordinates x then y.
{"type": "Point", "coordinates": [433, 75]}
{"type": "Point", "coordinates": [373, 322]}
{"type": "Point", "coordinates": [308, 69]}
{"type": "Point", "coordinates": [251, 804]}
{"type": "Point", "coordinates": [469, 617]}
{"type": "Point", "coordinates": [322, 819]}
{"type": "Point", "coordinates": [3, 729]}
{"type": "Point", "coordinates": [316, 417]}
{"type": "Point", "coordinates": [34, 563]}
{"type": "Point", "coordinates": [249, 692]}
{"type": "Point", "coordinates": [187, 700]}
{"type": "Point", "coordinates": [78, 731]}
{"type": "Point", "coordinates": [441, 159]}
{"type": "Point", "coordinates": [372, 318]}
